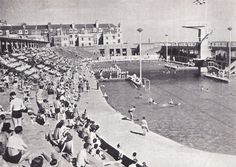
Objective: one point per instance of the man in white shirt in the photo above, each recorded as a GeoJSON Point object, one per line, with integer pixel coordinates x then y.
{"type": "Point", "coordinates": [16, 107]}
{"type": "Point", "coordinates": [82, 156]}
{"type": "Point", "coordinates": [16, 147]}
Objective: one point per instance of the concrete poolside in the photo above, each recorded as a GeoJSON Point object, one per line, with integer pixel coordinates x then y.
{"type": "Point", "coordinates": [153, 148]}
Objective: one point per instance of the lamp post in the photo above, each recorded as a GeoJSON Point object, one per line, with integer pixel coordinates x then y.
{"type": "Point", "coordinates": [167, 47]}
{"type": "Point", "coordinates": [230, 29]}
{"type": "Point", "coordinates": [140, 52]}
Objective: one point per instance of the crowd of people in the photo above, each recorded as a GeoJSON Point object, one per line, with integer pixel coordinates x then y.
{"type": "Point", "coordinates": [57, 95]}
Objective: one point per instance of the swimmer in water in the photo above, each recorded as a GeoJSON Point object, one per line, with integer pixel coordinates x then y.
{"type": "Point", "coordinates": [151, 101]}
{"type": "Point", "coordinates": [171, 102]}
{"type": "Point", "coordinates": [140, 96]}
{"type": "Point", "coordinates": [204, 89]}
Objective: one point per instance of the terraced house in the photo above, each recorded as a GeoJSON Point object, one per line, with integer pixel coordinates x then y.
{"type": "Point", "coordinates": [66, 34]}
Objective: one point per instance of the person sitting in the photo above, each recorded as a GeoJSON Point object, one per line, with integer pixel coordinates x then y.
{"type": "Point", "coordinates": [57, 136]}
{"type": "Point", "coordinates": [16, 147]}
{"type": "Point", "coordinates": [67, 145]}
{"type": "Point", "coordinates": [69, 116]}
{"type": "Point", "coordinates": [37, 162]}
{"type": "Point", "coordinates": [57, 105]}
{"type": "Point", "coordinates": [3, 140]}
{"type": "Point", "coordinates": [40, 119]}
{"type": "Point", "coordinates": [82, 156]}
{"type": "Point", "coordinates": [61, 115]}
{"type": "Point", "coordinates": [46, 108]}
{"type": "Point", "coordinates": [2, 121]}
{"type": "Point", "coordinates": [2, 151]}
{"type": "Point", "coordinates": [85, 131]}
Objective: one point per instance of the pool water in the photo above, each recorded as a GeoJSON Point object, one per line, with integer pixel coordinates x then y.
{"type": "Point", "coordinates": [206, 118]}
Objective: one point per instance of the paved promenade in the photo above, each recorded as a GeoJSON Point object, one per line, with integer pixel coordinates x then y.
{"type": "Point", "coordinates": [152, 148]}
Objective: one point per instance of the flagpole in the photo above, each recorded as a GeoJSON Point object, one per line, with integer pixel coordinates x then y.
{"type": "Point", "coordinates": [206, 11]}
{"type": "Point", "coordinates": [140, 54]}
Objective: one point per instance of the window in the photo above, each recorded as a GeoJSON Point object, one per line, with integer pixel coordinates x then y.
{"type": "Point", "coordinates": [118, 35]}
{"type": "Point", "coordinates": [124, 51]}
{"type": "Point", "coordinates": [26, 31]}
{"type": "Point", "coordinates": [113, 36]}
{"type": "Point", "coordinates": [107, 43]}
{"type": "Point", "coordinates": [89, 44]}
{"type": "Point", "coordinates": [118, 40]}
{"type": "Point", "coordinates": [1, 32]}
{"type": "Point", "coordinates": [82, 39]}
{"type": "Point", "coordinates": [106, 37]}
{"type": "Point", "coordinates": [76, 36]}
{"type": "Point", "coordinates": [20, 32]}
{"type": "Point", "coordinates": [89, 39]}
{"type": "Point", "coordinates": [71, 36]}
{"type": "Point", "coordinates": [82, 44]}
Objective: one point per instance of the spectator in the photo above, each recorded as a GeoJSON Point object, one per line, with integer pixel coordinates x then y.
{"type": "Point", "coordinates": [37, 162]}
{"type": "Point", "coordinates": [2, 121]}
{"type": "Point", "coordinates": [131, 113]}
{"type": "Point", "coordinates": [39, 97]}
{"type": "Point", "coordinates": [144, 126]}
{"type": "Point", "coordinates": [82, 156]}
{"type": "Point", "coordinates": [16, 147]}
{"type": "Point", "coordinates": [16, 107]}
{"type": "Point", "coordinates": [67, 144]}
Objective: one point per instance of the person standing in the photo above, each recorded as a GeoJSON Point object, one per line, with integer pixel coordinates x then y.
{"type": "Point", "coordinates": [131, 113]}
{"type": "Point", "coordinates": [39, 97]}
{"type": "Point", "coordinates": [144, 126]}
{"type": "Point", "coordinates": [16, 108]}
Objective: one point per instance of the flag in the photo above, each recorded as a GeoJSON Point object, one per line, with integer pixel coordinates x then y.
{"type": "Point", "coordinates": [199, 2]}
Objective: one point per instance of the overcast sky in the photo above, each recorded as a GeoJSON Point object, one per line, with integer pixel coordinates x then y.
{"type": "Point", "coordinates": [156, 17]}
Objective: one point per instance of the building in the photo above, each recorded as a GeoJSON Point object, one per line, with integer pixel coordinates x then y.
{"type": "Point", "coordinates": [3, 23]}
{"type": "Point", "coordinates": [61, 40]}
{"type": "Point", "coordinates": [60, 34]}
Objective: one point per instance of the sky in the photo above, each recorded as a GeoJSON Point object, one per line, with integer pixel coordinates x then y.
{"type": "Point", "coordinates": [155, 17]}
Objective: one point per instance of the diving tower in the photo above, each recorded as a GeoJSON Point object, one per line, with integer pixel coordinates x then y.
{"type": "Point", "coordinates": [203, 35]}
